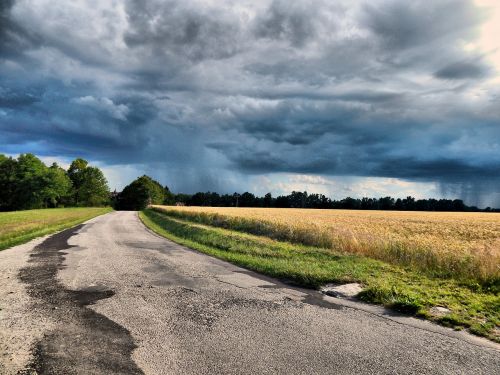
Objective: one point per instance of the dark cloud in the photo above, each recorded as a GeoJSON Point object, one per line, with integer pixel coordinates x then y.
{"type": "Point", "coordinates": [205, 92]}
{"type": "Point", "coordinates": [6, 25]}
{"type": "Point", "coordinates": [402, 26]}
{"type": "Point", "coordinates": [12, 100]}
{"type": "Point", "coordinates": [463, 70]}
{"type": "Point", "coordinates": [294, 22]}
{"type": "Point", "coordinates": [169, 28]}
{"type": "Point", "coordinates": [11, 34]}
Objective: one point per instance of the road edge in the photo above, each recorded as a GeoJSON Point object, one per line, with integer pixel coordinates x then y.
{"type": "Point", "coordinates": [377, 310]}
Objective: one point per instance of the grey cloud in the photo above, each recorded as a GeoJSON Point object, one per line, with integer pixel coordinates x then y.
{"type": "Point", "coordinates": [13, 37]}
{"type": "Point", "coordinates": [172, 27]}
{"type": "Point", "coordinates": [16, 99]}
{"type": "Point", "coordinates": [323, 89]}
{"type": "Point", "coordinates": [7, 27]}
{"type": "Point", "coordinates": [338, 159]}
{"type": "Point", "coordinates": [337, 140]}
{"type": "Point", "coordinates": [403, 26]}
{"type": "Point", "coordinates": [463, 70]}
{"type": "Point", "coordinates": [117, 111]}
{"type": "Point", "coordinates": [295, 22]}
{"type": "Point", "coordinates": [446, 169]}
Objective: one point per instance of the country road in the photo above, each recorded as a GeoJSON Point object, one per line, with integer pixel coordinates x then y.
{"type": "Point", "coordinates": [110, 297]}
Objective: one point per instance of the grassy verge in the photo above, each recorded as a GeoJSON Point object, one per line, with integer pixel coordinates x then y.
{"type": "Point", "coordinates": [22, 226]}
{"type": "Point", "coordinates": [393, 286]}
{"type": "Point", "coordinates": [452, 245]}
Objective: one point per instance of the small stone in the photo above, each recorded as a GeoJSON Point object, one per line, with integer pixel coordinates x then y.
{"type": "Point", "coordinates": [342, 291]}
{"type": "Point", "coordinates": [440, 310]}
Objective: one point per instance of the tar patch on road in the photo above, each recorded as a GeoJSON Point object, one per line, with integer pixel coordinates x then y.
{"type": "Point", "coordinates": [84, 342]}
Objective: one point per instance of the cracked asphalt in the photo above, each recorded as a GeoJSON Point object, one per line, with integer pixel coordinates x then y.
{"type": "Point", "coordinates": [110, 297]}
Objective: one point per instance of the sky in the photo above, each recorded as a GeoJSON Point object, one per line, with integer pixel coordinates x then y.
{"type": "Point", "coordinates": [344, 98]}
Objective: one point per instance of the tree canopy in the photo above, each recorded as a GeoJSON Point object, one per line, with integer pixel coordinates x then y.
{"type": "Point", "coordinates": [27, 183]}
{"type": "Point", "coordinates": [90, 187]}
{"type": "Point", "coordinates": [140, 193]}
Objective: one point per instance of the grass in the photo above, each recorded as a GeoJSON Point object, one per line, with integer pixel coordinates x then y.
{"type": "Point", "coordinates": [459, 245]}
{"type": "Point", "coordinates": [472, 307]}
{"type": "Point", "coordinates": [22, 226]}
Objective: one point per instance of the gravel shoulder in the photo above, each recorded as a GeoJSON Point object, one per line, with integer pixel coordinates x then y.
{"type": "Point", "coordinates": [21, 326]}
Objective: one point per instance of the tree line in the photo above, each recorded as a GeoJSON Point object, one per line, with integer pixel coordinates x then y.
{"type": "Point", "coordinates": [27, 183]}
{"type": "Point", "coordinates": [298, 199]}
{"type": "Point", "coordinates": [144, 191]}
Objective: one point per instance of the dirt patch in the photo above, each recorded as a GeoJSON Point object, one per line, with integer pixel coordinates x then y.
{"type": "Point", "coordinates": [83, 342]}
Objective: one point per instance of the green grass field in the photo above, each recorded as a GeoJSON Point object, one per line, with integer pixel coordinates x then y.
{"type": "Point", "coordinates": [21, 226]}
{"type": "Point", "coordinates": [471, 306]}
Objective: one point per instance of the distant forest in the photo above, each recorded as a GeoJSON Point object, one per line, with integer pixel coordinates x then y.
{"type": "Point", "coordinates": [27, 183]}
{"type": "Point", "coordinates": [145, 190]}
{"type": "Point", "coordinates": [299, 199]}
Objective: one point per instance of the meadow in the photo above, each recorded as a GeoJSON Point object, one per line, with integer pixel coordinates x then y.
{"type": "Point", "coordinates": [21, 226]}
{"type": "Point", "coordinates": [411, 262]}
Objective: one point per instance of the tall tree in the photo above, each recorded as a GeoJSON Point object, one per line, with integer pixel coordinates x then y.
{"type": "Point", "coordinates": [30, 182]}
{"type": "Point", "coordinates": [75, 173]}
{"type": "Point", "coordinates": [57, 188]}
{"type": "Point", "coordinates": [90, 187]}
{"type": "Point", "coordinates": [8, 168]}
{"type": "Point", "coordinates": [268, 200]}
{"type": "Point", "coordinates": [169, 198]}
{"type": "Point", "coordinates": [94, 191]}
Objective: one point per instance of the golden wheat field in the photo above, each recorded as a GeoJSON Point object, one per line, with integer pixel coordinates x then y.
{"type": "Point", "coordinates": [460, 244]}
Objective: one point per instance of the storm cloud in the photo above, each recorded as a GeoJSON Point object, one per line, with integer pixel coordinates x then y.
{"type": "Point", "coordinates": [217, 94]}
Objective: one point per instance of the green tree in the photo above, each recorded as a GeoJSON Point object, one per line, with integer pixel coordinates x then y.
{"type": "Point", "coordinates": [75, 173]}
{"type": "Point", "coordinates": [94, 190]}
{"type": "Point", "coordinates": [8, 168]}
{"type": "Point", "coordinates": [169, 198]}
{"type": "Point", "coordinates": [268, 200]}
{"type": "Point", "coordinates": [29, 182]}
{"type": "Point", "coordinates": [140, 193]}
{"type": "Point", "coordinates": [90, 187]}
{"type": "Point", "coordinates": [58, 186]}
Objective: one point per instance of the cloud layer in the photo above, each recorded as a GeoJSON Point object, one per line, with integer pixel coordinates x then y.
{"type": "Point", "coordinates": [219, 94]}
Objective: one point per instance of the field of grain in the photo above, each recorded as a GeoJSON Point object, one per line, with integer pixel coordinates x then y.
{"type": "Point", "coordinates": [21, 226]}
{"type": "Point", "coordinates": [463, 245]}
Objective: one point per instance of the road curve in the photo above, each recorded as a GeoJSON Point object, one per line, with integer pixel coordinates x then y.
{"type": "Point", "coordinates": [110, 297]}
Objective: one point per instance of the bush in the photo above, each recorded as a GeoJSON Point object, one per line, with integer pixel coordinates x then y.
{"type": "Point", "coordinates": [139, 194]}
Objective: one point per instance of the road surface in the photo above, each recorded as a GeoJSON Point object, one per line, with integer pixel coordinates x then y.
{"type": "Point", "coordinates": [110, 297]}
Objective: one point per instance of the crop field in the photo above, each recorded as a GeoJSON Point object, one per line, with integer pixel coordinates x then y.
{"type": "Point", "coordinates": [21, 226]}
{"type": "Point", "coordinates": [462, 245]}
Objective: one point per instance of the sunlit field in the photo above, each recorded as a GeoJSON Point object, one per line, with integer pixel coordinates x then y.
{"type": "Point", "coordinates": [463, 245]}
{"type": "Point", "coordinates": [21, 226]}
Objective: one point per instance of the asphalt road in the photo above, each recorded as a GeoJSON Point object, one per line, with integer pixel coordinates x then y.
{"type": "Point", "coordinates": [110, 297]}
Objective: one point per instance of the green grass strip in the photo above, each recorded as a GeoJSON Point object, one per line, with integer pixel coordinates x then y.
{"type": "Point", "coordinates": [19, 227]}
{"type": "Point", "coordinates": [392, 286]}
